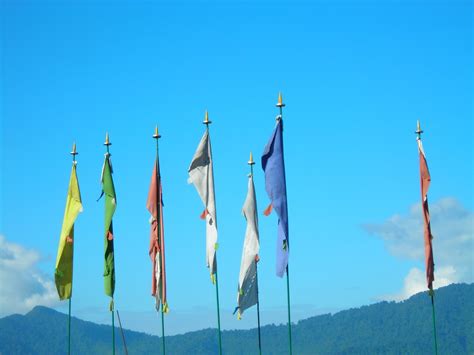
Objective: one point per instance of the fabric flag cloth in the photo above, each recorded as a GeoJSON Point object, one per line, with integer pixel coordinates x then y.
{"type": "Point", "coordinates": [273, 165]}
{"type": "Point", "coordinates": [248, 286]}
{"type": "Point", "coordinates": [201, 175]}
{"type": "Point", "coordinates": [425, 180]}
{"type": "Point", "coordinates": [64, 259]}
{"type": "Point", "coordinates": [156, 251]}
{"type": "Point", "coordinates": [110, 204]}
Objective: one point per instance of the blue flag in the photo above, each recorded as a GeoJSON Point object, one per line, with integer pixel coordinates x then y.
{"type": "Point", "coordinates": [273, 165]}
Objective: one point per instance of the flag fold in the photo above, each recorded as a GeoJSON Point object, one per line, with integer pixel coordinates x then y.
{"type": "Point", "coordinates": [108, 191]}
{"type": "Point", "coordinates": [156, 250]}
{"type": "Point", "coordinates": [201, 175]}
{"type": "Point", "coordinates": [247, 295]}
{"type": "Point", "coordinates": [273, 165]}
{"type": "Point", "coordinates": [425, 180]}
{"type": "Point", "coordinates": [64, 259]}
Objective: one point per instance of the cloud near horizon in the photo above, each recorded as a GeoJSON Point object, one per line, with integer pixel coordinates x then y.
{"type": "Point", "coordinates": [453, 242]}
{"type": "Point", "coordinates": [24, 286]}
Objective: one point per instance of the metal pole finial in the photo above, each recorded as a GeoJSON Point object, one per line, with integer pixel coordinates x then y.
{"type": "Point", "coordinates": [206, 121]}
{"type": "Point", "coordinates": [107, 141]}
{"type": "Point", "coordinates": [251, 162]}
{"type": "Point", "coordinates": [280, 105]}
{"type": "Point", "coordinates": [418, 131]}
{"type": "Point", "coordinates": [280, 101]}
{"type": "Point", "coordinates": [74, 152]}
{"type": "Point", "coordinates": [156, 135]}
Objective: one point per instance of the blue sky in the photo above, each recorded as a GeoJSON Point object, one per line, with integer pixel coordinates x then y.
{"type": "Point", "coordinates": [355, 77]}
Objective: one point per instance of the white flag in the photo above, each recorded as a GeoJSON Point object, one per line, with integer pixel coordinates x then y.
{"type": "Point", "coordinates": [201, 175]}
{"type": "Point", "coordinates": [248, 288]}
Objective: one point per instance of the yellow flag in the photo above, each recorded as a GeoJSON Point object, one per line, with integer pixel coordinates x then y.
{"type": "Point", "coordinates": [64, 259]}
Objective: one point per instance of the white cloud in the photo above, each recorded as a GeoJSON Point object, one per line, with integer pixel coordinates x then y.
{"type": "Point", "coordinates": [23, 285]}
{"type": "Point", "coordinates": [453, 244]}
{"type": "Point", "coordinates": [415, 282]}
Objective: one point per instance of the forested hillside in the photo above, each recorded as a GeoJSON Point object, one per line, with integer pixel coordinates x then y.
{"type": "Point", "coordinates": [382, 328]}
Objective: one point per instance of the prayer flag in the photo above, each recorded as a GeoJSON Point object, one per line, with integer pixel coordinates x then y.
{"type": "Point", "coordinates": [110, 204]}
{"type": "Point", "coordinates": [201, 175]}
{"type": "Point", "coordinates": [425, 180]}
{"type": "Point", "coordinates": [156, 251]}
{"type": "Point", "coordinates": [64, 259]}
{"type": "Point", "coordinates": [273, 165]}
{"type": "Point", "coordinates": [248, 286]}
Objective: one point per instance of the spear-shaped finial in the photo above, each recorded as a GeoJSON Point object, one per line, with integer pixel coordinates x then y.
{"type": "Point", "coordinates": [418, 131]}
{"type": "Point", "coordinates": [206, 121]}
{"type": "Point", "coordinates": [251, 162]}
{"type": "Point", "coordinates": [74, 151]}
{"type": "Point", "coordinates": [280, 101]}
{"type": "Point", "coordinates": [107, 141]}
{"type": "Point", "coordinates": [156, 135]}
{"type": "Point", "coordinates": [280, 105]}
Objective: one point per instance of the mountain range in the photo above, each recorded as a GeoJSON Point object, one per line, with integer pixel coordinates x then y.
{"type": "Point", "coordinates": [382, 328]}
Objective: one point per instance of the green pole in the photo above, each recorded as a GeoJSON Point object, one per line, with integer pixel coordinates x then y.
{"type": "Point", "coordinates": [280, 105]}
{"type": "Point", "coordinates": [157, 136]}
{"type": "Point", "coordinates": [163, 328]}
{"type": "Point", "coordinates": [251, 163]}
{"type": "Point", "coordinates": [113, 331]}
{"type": "Point", "coordinates": [431, 292]}
{"type": "Point", "coordinates": [218, 311]}
{"type": "Point", "coordinates": [258, 314]}
{"type": "Point", "coordinates": [73, 153]}
{"type": "Point", "coordinates": [121, 331]}
{"type": "Point", "coordinates": [207, 122]}
{"type": "Point", "coordinates": [69, 330]}
{"type": "Point", "coordinates": [289, 314]}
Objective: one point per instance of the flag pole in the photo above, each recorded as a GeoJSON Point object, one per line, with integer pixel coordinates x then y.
{"type": "Point", "coordinates": [431, 293]}
{"type": "Point", "coordinates": [113, 326]}
{"type": "Point", "coordinates": [163, 329]}
{"type": "Point", "coordinates": [418, 132]}
{"type": "Point", "coordinates": [280, 105]}
{"type": "Point", "coordinates": [288, 297]}
{"type": "Point", "coordinates": [73, 153]}
{"type": "Point", "coordinates": [252, 163]}
{"type": "Point", "coordinates": [258, 314]}
{"type": "Point", "coordinates": [121, 331]}
{"type": "Point", "coordinates": [111, 305]}
{"type": "Point", "coordinates": [157, 136]}
{"type": "Point", "coordinates": [218, 311]}
{"type": "Point", "coordinates": [69, 330]}
{"type": "Point", "coordinates": [207, 122]}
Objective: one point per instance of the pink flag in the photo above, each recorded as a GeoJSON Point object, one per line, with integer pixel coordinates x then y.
{"type": "Point", "coordinates": [425, 180]}
{"type": "Point", "coordinates": [156, 251]}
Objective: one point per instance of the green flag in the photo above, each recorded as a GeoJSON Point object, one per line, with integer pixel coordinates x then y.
{"type": "Point", "coordinates": [64, 259]}
{"type": "Point", "coordinates": [110, 204]}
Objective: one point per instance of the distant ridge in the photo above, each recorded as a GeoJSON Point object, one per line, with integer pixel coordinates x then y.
{"type": "Point", "coordinates": [381, 328]}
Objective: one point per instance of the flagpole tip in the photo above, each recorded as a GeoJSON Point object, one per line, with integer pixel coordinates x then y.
{"type": "Point", "coordinates": [156, 135]}
{"type": "Point", "coordinates": [74, 151]}
{"type": "Point", "coordinates": [418, 131]}
{"type": "Point", "coordinates": [107, 141]}
{"type": "Point", "coordinates": [206, 119]}
{"type": "Point", "coordinates": [280, 101]}
{"type": "Point", "coordinates": [251, 162]}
